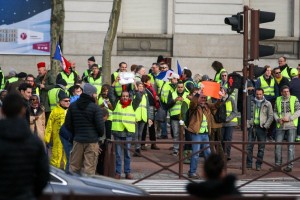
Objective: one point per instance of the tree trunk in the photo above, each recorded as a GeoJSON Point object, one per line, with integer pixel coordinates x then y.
{"type": "Point", "coordinates": [109, 40]}
{"type": "Point", "coordinates": [57, 31]}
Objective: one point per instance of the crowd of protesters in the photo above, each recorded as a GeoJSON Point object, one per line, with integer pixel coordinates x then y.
{"type": "Point", "coordinates": [73, 114]}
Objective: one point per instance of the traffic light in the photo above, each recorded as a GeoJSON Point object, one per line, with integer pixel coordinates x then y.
{"type": "Point", "coordinates": [258, 34]}
{"type": "Point", "coordinates": [236, 22]}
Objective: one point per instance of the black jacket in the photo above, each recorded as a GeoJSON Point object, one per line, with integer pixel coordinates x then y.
{"type": "Point", "coordinates": [85, 120]}
{"type": "Point", "coordinates": [24, 169]}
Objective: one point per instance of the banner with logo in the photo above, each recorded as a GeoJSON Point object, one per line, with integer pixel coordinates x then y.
{"type": "Point", "coordinates": [25, 27]}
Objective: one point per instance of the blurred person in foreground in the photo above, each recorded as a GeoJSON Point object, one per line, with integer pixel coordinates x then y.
{"type": "Point", "coordinates": [26, 169]}
{"type": "Point", "coordinates": [216, 185]}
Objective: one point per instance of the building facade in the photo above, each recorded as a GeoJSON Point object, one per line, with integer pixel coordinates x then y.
{"type": "Point", "coordinates": [190, 31]}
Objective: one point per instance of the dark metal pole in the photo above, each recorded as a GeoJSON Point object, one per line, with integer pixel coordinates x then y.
{"type": "Point", "coordinates": [245, 65]}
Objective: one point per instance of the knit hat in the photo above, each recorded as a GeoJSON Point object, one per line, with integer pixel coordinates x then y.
{"type": "Point", "coordinates": [62, 96]}
{"type": "Point", "coordinates": [294, 72]}
{"type": "Point", "coordinates": [89, 89]}
{"type": "Point", "coordinates": [92, 59]}
{"type": "Point", "coordinates": [12, 73]}
{"type": "Point", "coordinates": [41, 64]}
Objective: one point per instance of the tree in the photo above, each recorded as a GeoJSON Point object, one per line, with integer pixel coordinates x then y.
{"type": "Point", "coordinates": [109, 40]}
{"type": "Point", "coordinates": [57, 31]}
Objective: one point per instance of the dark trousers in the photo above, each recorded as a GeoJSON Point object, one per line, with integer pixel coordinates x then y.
{"type": "Point", "coordinates": [259, 134]}
{"type": "Point", "coordinates": [227, 136]}
{"type": "Point", "coordinates": [214, 136]}
{"type": "Point", "coordinates": [151, 129]}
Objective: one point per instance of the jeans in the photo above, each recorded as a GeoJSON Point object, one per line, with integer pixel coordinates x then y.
{"type": "Point", "coordinates": [291, 134]}
{"type": "Point", "coordinates": [261, 136]}
{"type": "Point", "coordinates": [139, 132]}
{"type": "Point", "coordinates": [126, 155]}
{"type": "Point", "coordinates": [227, 136]}
{"type": "Point", "coordinates": [163, 126]}
{"type": "Point", "coordinates": [175, 128]}
{"type": "Point", "coordinates": [67, 148]}
{"type": "Point", "coordinates": [201, 137]}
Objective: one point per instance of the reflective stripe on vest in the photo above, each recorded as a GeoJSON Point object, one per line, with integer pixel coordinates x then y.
{"type": "Point", "coordinates": [256, 116]}
{"type": "Point", "coordinates": [69, 79]}
{"type": "Point", "coordinates": [123, 118]}
{"type": "Point", "coordinates": [204, 125]}
{"type": "Point", "coordinates": [229, 110]}
{"type": "Point", "coordinates": [141, 111]}
{"type": "Point", "coordinates": [176, 109]}
{"type": "Point", "coordinates": [268, 90]}
{"type": "Point", "coordinates": [53, 97]}
{"type": "Point", "coordinates": [218, 76]}
{"type": "Point", "coordinates": [97, 83]}
{"type": "Point", "coordinates": [292, 108]}
{"type": "Point", "coordinates": [118, 86]}
{"type": "Point", "coordinates": [100, 102]}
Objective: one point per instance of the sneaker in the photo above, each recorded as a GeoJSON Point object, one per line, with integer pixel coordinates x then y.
{"type": "Point", "coordinates": [117, 176]}
{"type": "Point", "coordinates": [137, 153]}
{"type": "Point", "coordinates": [194, 176]}
{"type": "Point", "coordinates": [258, 168]}
{"type": "Point", "coordinates": [287, 169]}
{"type": "Point", "coordinates": [228, 158]}
{"type": "Point", "coordinates": [270, 139]}
{"type": "Point", "coordinates": [144, 148]}
{"type": "Point", "coordinates": [175, 153]}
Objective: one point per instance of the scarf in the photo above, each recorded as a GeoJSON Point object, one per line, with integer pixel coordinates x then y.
{"type": "Point", "coordinates": [259, 102]}
{"type": "Point", "coordinates": [151, 89]}
{"type": "Point", "coordinates": [125, 103]}
{"type": "Point", "coordinates": [278, 79]}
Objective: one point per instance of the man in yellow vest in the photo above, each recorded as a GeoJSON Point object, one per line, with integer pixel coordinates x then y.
{"type": "Point", "coordinates": [123, 127]}
{"type": "Point", "coordinates": [199, 127]}
{"type": "Point", "coordinates": [54, 93]}
{"type": "Point", "coordinates": [286, 113]}
{"type": "Point", "coordinates": [88, 71]}
{"type": "Point", "coordinates": [261, 119]}
{"type": "Point", "coordinates": [71, 77]}
{"type": "Point", "coordinates": [118, 87]}
{"type": "Point", "coordinates": [95, 78]}
{"type": "Point", "coordinates": [231, 121]}
{"type": "Point", "coordinates": [175, 101]}
{"type": "Point", "coordinates": [285, 69]}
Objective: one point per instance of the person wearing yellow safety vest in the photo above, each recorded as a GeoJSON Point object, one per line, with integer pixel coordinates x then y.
{"type": "Point", "coordinates": [218, 67]}
{"type": "Point", "coordinates": [284, 68]}
{"type": "Point", "coordinates": [267, 83]}
{"type": "Point", "coordinates": [123, 127]}
{"type": "Point", "coordinates": [88, 71]}
{"type": "Point", "coordinates": [30, 80]}
{"type": "Point", "coordinates": [71, 77]}
{"type": "Point", "coordinates": [175, 101]}
{"type": "Point", "coordinates": [118, 88]}
{"type": "Point", "coordinates": [167, 87]}
{"type": "Point", "coordinates": [2, 80]}
{"type": "Point", "coordinates": [187, 80]}
{"type": "Point", "coordinates": [54, 93]}
{"type": "Point", "coordinates": [260, 120]}
{"type": "Point", "coordinates": [95, 78]}
{"type": "Point", "coordinates": [103, 102]}
{"type": "Point", "coordinates": [286, 113]}
{"type": "Point", "coordinates": [56, 120]}
{"type": "Point", "coordinates": [142, 114]}
{"type": "Point", "coordinates": [231, 121]}
{"type": "Point", "coordinates": [198, 126]}
{"type": "Point", "coordinates": [12, 77]}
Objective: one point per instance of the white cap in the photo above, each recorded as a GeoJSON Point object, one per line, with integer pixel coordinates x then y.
{"type": "Point", "coordinates": [173, 75]}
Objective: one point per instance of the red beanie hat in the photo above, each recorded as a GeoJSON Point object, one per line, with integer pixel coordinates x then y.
{"type": "Point", "coordinates": [41, 64]}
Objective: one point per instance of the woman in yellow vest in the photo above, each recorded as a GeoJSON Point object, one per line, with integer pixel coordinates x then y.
{"type": "Point", "coordinates": [142, 116]}
{"type": "Point", "coordinates": [123, 127]}
{"type": "Point", "coordinates": [231, 121]}
{"type": "Point", "coordinates": [55, 121]}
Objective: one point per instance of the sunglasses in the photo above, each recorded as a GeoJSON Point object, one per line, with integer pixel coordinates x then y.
{"type": "Point", "coordinates": [278, 73]}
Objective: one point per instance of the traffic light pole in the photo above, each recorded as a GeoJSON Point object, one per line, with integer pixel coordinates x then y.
{"type": "Point", "coordinates": [245, 66]}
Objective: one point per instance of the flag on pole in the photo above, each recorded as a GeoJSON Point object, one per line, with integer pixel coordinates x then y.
{"type": "Point", "coordinates": [179, 68]}
{"type": "Point", "coordinates": [65, 64]}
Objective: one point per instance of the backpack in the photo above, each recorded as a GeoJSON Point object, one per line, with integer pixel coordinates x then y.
{"type": "Point", "coordinates": [220, 115]}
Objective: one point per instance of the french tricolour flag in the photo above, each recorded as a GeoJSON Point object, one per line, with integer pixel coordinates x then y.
{"type": "Point", "coordinates": [65, 64]}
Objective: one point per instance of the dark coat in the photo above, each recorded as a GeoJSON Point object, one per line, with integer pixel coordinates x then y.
{"type": "Point", "coordinates": [85, 120]}
{"type": "Point", "coordinates": [212, 189]}
{"type": "Point", "coordinates": [24, 171]}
